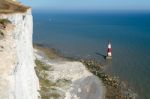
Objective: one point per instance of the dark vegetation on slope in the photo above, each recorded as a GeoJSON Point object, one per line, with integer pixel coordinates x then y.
{"type": "Point", "coordinates": [4, 21]}
{"type": "Point", "coordinates": [3, 24]}
{"type": "Point", "coordinates": [49, 52]}
{"type": "Point", "coordinates": [49, 88]}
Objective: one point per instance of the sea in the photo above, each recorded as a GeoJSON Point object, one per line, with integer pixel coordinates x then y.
{"type": "Point", "coordinates": [86, 35]}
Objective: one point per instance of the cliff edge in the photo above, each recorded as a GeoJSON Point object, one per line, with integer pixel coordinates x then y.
{"type": "Point", "coordinates": [18, 79]}
{"type": "Point", "coordinates": [11, 6]}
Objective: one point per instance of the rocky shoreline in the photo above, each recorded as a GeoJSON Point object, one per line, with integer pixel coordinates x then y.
{"type": "Point", "coordinates": [115, 88]}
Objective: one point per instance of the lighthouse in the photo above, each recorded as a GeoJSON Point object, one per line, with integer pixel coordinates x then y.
{"type": "Point", "coordinates": [109, 51]}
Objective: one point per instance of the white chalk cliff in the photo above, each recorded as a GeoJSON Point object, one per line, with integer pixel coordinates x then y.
{"type": "Point", "coordinates": [18, 79]}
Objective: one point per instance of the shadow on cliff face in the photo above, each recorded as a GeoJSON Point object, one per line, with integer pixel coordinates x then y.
{"type": "Point", "coordinates": [1, 38]}
{"type": "Point", "coordinates": [1, 35]}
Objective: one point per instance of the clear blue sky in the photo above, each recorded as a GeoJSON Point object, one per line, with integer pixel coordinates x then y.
{"type": "Point", "coordinates": [88, 4]}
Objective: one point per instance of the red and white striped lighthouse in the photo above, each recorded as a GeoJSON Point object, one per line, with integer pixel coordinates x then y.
{"type": "Point", "coordinates": [109, 51]}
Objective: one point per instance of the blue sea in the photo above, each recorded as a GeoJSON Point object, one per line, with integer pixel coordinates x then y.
{"type": "Point", "coordinates": [85, 35]}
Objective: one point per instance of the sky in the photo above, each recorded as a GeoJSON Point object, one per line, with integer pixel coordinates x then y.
{"type": "Point", "coordinates": [88, 4]}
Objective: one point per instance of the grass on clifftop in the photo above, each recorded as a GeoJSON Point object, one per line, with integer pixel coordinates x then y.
{"type": "Point", "coordinates": [9, 6]}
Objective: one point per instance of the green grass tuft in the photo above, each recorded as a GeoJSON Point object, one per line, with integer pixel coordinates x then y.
{"type": "Point", "coordinates": [41, 65]}
{"type": "Point", "coordinates": [4, 21]}
{"type": "Point", "coordinates": [63, 82]}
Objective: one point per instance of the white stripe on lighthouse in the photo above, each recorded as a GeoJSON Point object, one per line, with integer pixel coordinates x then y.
{"type": "Point", "coordinates": [109, 46]}
{"type": "Point", "coordinates": [109, 54]}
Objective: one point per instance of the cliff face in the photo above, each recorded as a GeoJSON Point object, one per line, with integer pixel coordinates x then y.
{"type": "Point", "coordinates": [18, 79]}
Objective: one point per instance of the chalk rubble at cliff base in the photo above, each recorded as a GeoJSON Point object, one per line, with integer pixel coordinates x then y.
{"type": "Point", "coordinates": [82, 84]}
